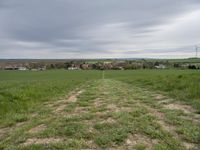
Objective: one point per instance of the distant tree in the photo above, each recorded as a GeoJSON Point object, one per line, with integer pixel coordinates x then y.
{"type": "Point", "coordinates": [176, 65]}
{"type": "Point", "coordinates": [67, 65]}
{"type": "Point", "coordinates": [51, 66]}
{"type": "Point", "coordinates": [156, 63]}
{"type": "Point", "coordinates": [192, 67]}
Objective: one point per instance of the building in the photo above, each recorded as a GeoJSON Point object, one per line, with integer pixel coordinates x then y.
{"type": "Point", "coordinates": [10, 67]}
{"type": "Point", "coordinates": [22, 68]}
{"type": "Point", "coordinates": [41, 68]}
{"type": "Point", "coordinates": [160, 66]}
{"type": "Point", "coordinates": [73, 68]}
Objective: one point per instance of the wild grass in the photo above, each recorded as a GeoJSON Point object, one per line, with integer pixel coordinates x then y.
{"type": "Point", "coordinates": [22, 91]}
{"type": "Point", "coordinates": [105, 115]}
{"type": "Point", "coordinates": [182, 85]}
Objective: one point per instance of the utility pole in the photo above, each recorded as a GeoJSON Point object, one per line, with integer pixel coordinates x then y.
{"type": "Point", "coordinates": [196, 48]}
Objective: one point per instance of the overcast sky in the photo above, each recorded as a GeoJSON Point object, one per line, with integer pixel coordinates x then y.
{"type": "Point", "coordinates": [99, 28]}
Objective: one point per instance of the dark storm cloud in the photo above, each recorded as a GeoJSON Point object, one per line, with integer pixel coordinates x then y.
{"type": "Point", "coordinates": [86, 26]}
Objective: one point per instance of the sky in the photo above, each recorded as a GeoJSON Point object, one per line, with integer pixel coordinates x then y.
{"type": "Point", "coordinates": [67, 29]}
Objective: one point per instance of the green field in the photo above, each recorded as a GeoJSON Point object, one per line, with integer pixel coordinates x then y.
{"type": "Point", "coordinates": [133, 109]}
{"type": "Point", "coordinates": [22, 91]}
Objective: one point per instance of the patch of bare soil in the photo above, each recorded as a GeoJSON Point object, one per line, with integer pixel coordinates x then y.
{"type": "Point", "coordinates": [97, 103]}
{"type": "Point", "coordinates": [42, 141]}
{"type": "Point", "coordinates": [165, 101]}
{"type": "Point", "coordinates": [138, 139]}
{"type": "Point", "coordinates": [34, 115]}
{"type": "Point", "coordinates": [91, 145]}
{"type": "Point", "coordinates": [60, 108]}
{"type": "Point", "coordinates": [77, 111]}
{"type": "Point", "coordinates": [105, 93]}
{"type": "Point", "coordinates": [73, 97]}
{"type": "Point", "coordinates": [117, 148]}
{"type": "Point", "coordinates": [169, 128]}
{"type": "Point", "coordinates": [185, 108]}
{"type": "Point", "coordinates": [196, 116]}
{"type": "Point", "coordinates": [161, 116]}
{"type": "Point", "coordinates": [38, 128]}
{"type": "Point", "coordinates": [60, 105]}
{"type": "Point", "coordinates": [190, 146]}
{"type": "Point", "coordinates": [20, 124]}
{"type": "Point", "coordinates": [170, 104]}
{"type": "Point", "coordinates": [115, 108]}
{"type": "Point", "coordinates": [128, 109]}
{"type": "Point", "coordinates": [193, 119]}
{"type": "Point", "coordinates": [109, 120]}
{"type": "Point", "coordinates": [156, 113]}
{"type": "Point", "coordinates": [159, 97]}
{"type": "Point", "coordinates": [4, 131]}
{"type": "Point", "coordinates": [100, 114]}
{"type": "Point", "coordinates": [80, 110]}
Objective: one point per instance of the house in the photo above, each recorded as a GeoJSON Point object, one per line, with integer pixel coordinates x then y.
{"type": "Point", "coordinates": [73, 68]}
{"type": "Point", "coordinates": [9, 67]}
{"type": "Point", "coordinates": [121, 68]}
{"type": "Point", "coordinates": [22, 68]}
{"type": "Point", "coordinates": [85, 66]}
{"type": "Point", "coordinates": [160, 66]}
{"type": "Point", "coordinates": [41, 68]}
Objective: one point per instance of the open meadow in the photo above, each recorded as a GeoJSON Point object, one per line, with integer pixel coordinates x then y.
{"type": "Point", "coordinates": [115, 110]}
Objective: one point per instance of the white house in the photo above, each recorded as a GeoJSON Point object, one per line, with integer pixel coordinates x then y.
{"type": "Point", "coordinates": [73, 68]}
{"type": "Point", "coordinates": [160, 66]}
{"type": "Point", "coordinates": [22, 68]}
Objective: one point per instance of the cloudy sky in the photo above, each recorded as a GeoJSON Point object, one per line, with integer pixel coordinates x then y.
{"type": "Point", "coordinates": [99, 28]}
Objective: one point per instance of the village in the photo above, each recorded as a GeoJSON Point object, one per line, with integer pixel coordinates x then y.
{"type": "Point", "coordinates": [94, 65]}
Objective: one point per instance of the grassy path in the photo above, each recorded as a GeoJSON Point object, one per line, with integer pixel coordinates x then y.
{"type": "Point", "coordinates": [107, 114]}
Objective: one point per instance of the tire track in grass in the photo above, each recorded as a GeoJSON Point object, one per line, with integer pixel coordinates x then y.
{"type": "Point", "coordinates": [114, 106]}
{"type": "Point", "coordinates": [61, 105]}
{"type": "Point", "coordinates": [107, 114]}
{"type": "Point", "coordinates": [6, 131]}
{"type": "Point", "coordinates": [170, 128]}
{"type": "Point", "coordinates": [58, 109]}
{"type": "Point", "coordinates": [68, 117]}
{"type": "Point", "coordinates": [161, 121]}
{"type": "Point", "coordinates": [166, 103]}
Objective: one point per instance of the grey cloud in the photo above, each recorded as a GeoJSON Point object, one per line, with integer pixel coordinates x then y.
{"type": "Point", "coordinates": [85, 26]}
{"type": "Point", "coordinates": [186, 49]}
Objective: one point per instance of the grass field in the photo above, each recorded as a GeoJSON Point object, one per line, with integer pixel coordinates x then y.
{"type": "Point", "coordinates": [22, 91]}
{"type": "Point", "coordinates": [139, 109]}
{"type": "Point", "coordinates": [183, 85]}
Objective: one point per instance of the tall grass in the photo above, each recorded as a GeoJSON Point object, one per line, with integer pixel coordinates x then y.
{"type": "Point", "coordinates": [183, 85]}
